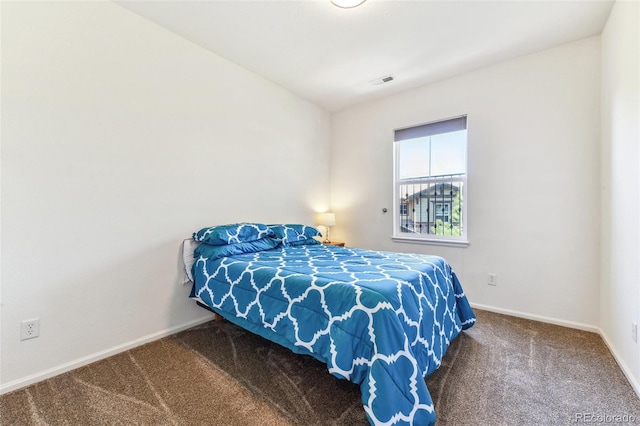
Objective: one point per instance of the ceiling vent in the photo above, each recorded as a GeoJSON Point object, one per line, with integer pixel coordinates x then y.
{"type": "Point", "coordinates": [382, 80]}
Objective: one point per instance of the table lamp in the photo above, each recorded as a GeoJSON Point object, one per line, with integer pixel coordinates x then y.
{"type": "Point", "coordinates": [327, 220]}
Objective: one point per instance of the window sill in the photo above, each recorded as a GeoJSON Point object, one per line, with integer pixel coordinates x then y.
{"type": "Point", "coordinates": [432, 241]}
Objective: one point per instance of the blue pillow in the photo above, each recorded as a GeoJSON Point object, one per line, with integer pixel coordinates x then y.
{"type": "Point", "coordinates": [216, 252]}
{"type": "Point", "coordinates": [232, 234]}
{"type": "Point", "coordinates": [307, 242]}
{"type": "Point", "coordinates": [293, 233]}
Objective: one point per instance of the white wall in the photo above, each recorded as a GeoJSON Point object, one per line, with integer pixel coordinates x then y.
{"type": "Point", "coordinates": [620, 292]}
{"type": "Point", "coordinates": [533, 189]}
{"type": "Point", "coordinates": [119, 139]}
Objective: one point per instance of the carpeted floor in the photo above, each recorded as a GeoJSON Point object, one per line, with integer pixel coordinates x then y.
{"type": "Point", "coordinates": [503, 371]}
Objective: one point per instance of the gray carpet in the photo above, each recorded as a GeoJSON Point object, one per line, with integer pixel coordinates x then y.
{"type": "Point", "coordinates": [503, 371]}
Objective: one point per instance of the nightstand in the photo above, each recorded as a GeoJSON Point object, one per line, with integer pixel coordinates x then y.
{"type": "Point", "coordinates": [334, 243]}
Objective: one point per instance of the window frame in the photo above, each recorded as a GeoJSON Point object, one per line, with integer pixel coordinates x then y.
{"type": "Point", "coordinates": [447, 240]}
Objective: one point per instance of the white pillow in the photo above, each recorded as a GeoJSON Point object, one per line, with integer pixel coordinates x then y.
{"type": "Point", "coordinates": [188, 248]}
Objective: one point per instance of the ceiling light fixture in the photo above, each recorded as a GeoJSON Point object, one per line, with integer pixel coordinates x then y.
{"type": "Point", "coordinates": [347, 4]}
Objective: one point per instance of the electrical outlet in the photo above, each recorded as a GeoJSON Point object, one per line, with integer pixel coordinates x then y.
{"type": "Point", "coordinates": [29, 329]}
{"type": "Point", "coordinates": [493, 279]}
{"type": "Point", "coordinates": [634, 331]}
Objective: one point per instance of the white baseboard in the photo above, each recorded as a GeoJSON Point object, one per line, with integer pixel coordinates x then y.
{"type": "Point", "coordinates": [540, 318]}
{"type": "Point", "coordinates": [580, 326]}
{"type": "Point", "coordinates": [625, 369]}
{"type": "Point", "coordinates": [81, 362]}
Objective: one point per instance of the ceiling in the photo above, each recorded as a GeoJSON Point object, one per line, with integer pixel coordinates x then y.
{"type": "Point", "coordinates": [330, 55]}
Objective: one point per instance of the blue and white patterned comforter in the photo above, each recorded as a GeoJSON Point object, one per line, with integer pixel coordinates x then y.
{"type": "Point", "coordinates": [379, 319]}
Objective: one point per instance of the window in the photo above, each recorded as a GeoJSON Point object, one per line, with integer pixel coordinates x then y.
{"type": "Point", "coordinates": [430, 181]}
{"type": "Point", "coordinates": [442, 211]}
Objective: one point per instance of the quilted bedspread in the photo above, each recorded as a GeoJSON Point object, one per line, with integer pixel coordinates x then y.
{"type": "Point", "coordinates": [379, 319]}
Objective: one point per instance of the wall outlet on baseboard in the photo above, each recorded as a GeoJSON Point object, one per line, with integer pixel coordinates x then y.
{"type": "Point", "coordinates": [492, 279]}
{"type": "Point", "coordinates": [29, 329]}
{"type": "Point", "coordinates": [634, 331]}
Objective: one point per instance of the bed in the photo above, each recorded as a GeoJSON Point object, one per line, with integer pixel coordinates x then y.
{"type": "Point", "coordinates": [382, 320]}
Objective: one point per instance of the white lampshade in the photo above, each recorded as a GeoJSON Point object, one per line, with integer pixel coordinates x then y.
{"type": "Point", "coordinates": [326, 219]}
